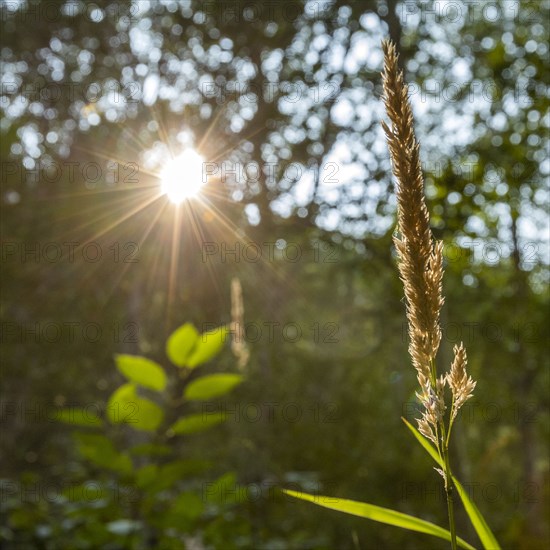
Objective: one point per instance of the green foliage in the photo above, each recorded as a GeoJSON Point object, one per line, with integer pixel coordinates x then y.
{"type": "Point", "coordinates": [478, 521]}
{"type": "Point", "coordinates": [382, 515]}
{"type": "Point", "coordinates": [196, 423]}
{"type": "Point", "coordinates": [214, 385]}
{"type": "Point", "coordinates": [167, 501]}
{"type": "Point", "coordinates": [187, 348]}
{"type": "Point", "coordinates": [100, 450]}
{"type": "Point", "coordinates": [405, 521]}
{"type": "Point", "coordinates": [127, 407]}
{"type": "Point", "coordinates": [207, 346]}
{"type": "Point", "coordinates": [142, 371]}
{"type": "Point", "coordinates": [181, 343]}
{"type": "Point", "coordinates": [223, 490]}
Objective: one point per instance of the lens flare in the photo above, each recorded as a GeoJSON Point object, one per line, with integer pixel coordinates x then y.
{"type": "Point", "coordinates": [182, 178]}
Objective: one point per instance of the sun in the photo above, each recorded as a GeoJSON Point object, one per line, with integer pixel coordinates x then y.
{"type": "Point", "coordinates": [182, 178]}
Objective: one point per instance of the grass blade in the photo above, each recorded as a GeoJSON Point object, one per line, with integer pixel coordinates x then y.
{"type": "Point", "coordinates": [424, 442]}
{"type": "Point", "coordinates": [478, 521]}
{"type": "Point", "coordinates": [377, 513]}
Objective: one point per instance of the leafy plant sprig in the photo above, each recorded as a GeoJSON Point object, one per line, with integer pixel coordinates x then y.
{"type": "Point", "coordinates": [151, 402]}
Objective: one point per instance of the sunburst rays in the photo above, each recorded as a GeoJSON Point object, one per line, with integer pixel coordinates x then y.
{"type": "Point", "coordinates": [111, 211]}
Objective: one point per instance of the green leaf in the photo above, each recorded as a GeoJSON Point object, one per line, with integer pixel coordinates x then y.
{"type": "Point", "coordinates": [79, 417]}
{"type": "Point", "coordinates": [126, 407]}
{"type": "Point", "coordinates": [224, 490]}
{"type": "Point", "coordinates": [213, 385]}
{"type": "Point", "coordinates": [121, 407]}
{"type": "Point", "coordinates": [181, 343]}
{"type": "Point", "coordinates": [377, 513]}
{"type": "Point", "coordinates": [142, 371]}
{"type": "Point", "coordinates": [149, 415]}
{"type": "Point", "coordinates": [432, 451]}
{"type": "Point", "coordinates": [100, 450]}
{"type": "Point", "coordinates": [196, 423]}
{"type": "Point", "coordinates": [208, 346]}
{"type": "Point", "coordinates": [478, 521]}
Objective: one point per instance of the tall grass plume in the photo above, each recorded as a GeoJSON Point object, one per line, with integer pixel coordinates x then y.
{"type": "Point", "coordinates": [421, 270]}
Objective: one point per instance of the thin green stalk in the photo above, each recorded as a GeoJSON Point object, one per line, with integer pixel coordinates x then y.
{"type": "Point", "coordinates": [443, 450]}
{"type": "Point", "coordinates": [448, 487]}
